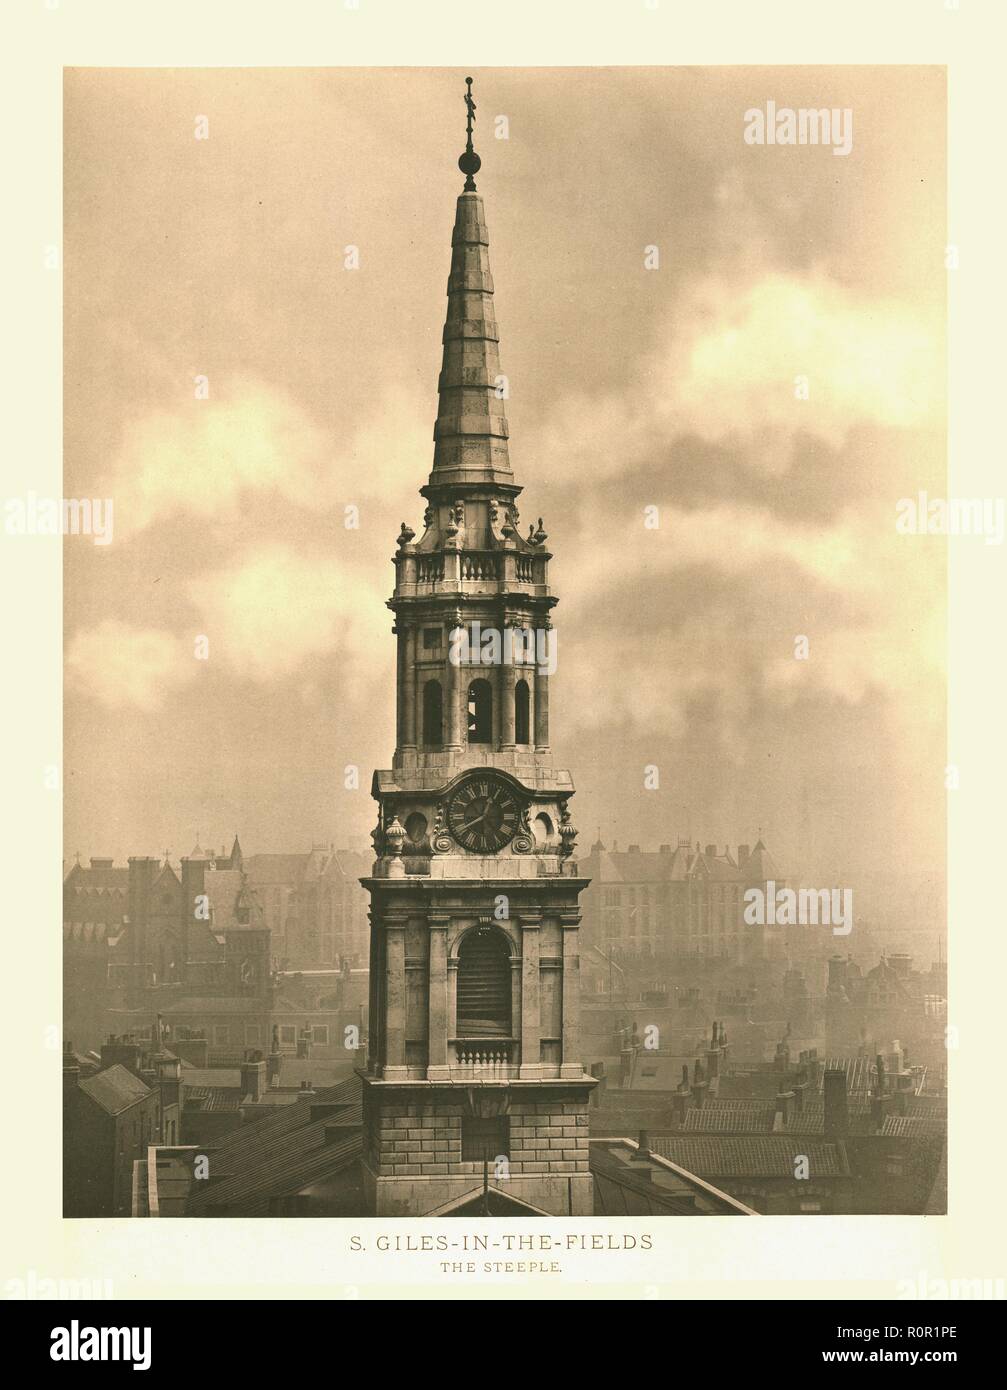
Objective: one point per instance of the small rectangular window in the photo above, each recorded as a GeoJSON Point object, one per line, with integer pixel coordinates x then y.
{"type": "Point", "coordinates": [252, 1034]}
{"type": "Point", "coordinates": [485, 1139]}
{"type": "Point", "coordinates": [221, 1034]}
{"type": "Point", "coordinates": [320, 1033]}
{"type": "Point", "coordinates": [288, 1034]}
{"type": "Point", "coordinates": [431, 639]}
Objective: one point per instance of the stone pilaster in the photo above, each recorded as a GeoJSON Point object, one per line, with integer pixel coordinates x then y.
{"type": "Point", "coordinates": [394, 926]}
{"type": "Point", "coordinates": [531, 1018]}
{"type": "Point", "coordinates": [541, 711]}
{"type": "Point", "coordinates": [437, 1055]}
{"type": "Point", "coordinates": [508, 680]}
{"type": "Point", "coordinates": [410, 691]}
{"type": "Point", "coordinates": [453, 713]}
{"type": "Point", "coordinates": [572, 1064]}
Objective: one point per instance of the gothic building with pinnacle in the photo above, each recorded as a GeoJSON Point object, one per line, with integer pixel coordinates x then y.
{"type": "Point", "coordinates": [474, 1090]}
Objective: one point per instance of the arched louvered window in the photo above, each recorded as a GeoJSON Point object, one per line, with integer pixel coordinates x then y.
{"type": "Point", "coordinates": [480, 712]}
{"type": "Point", "coordinates": [522, 707]}
{"type": "Point", "coordinates": [484, 985]}
{"type": "Point", "coordinates": [433, 715]}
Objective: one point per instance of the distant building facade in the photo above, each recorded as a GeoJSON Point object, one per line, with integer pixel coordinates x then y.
{"type": "Point", "coordinates": [682, 900]}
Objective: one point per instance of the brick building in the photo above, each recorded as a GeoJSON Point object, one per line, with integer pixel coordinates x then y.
{"type": "Point", "coordinates": [109, 1119]}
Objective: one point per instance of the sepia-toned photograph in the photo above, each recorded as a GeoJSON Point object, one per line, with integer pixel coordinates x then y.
{"type": "Point", "coordinates": [505, 765]}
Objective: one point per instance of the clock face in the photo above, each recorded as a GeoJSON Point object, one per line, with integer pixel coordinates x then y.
{"type": "Point", "coordinates": [483, 814]}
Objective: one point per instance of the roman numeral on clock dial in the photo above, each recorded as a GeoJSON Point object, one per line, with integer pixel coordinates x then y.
{"type": "Point", "coordinates": [483, 815]}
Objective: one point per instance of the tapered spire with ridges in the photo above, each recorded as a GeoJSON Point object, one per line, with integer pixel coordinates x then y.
{"type": "Point", "coordinates": [470, 436]}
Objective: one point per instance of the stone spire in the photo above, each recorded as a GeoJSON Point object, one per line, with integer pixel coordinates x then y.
{"type": "Point", "coordinates": [470, 436]}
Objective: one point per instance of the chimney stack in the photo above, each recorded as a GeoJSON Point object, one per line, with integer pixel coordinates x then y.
{"type": "Point", "coordinates": [680, 1098]}
{"type": "Point", "coordinates": [783, 1108]}
{"type": "Point", "coordinates": [699, 1085]}
{"type": "Point", "coordinates": [253, 1076]}
{"type": "Point", "coordinates": [837, 1122]}
{"type": "Point", "coordinates": [881, 1100]}
{"type": "Point", "coordinates": [274, 1062]}
{"type": "Point", "coordinates": [743, 852]}
{"type": "Point", "coordinates": [713, 1053]}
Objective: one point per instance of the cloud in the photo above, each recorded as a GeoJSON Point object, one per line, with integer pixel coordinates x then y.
{"type": "Point", "coordinates": [121, 665]}
{"type": "Point", "coordinates": [725, 371]}
{"type": "Point", "coordinates": [252, 439]}
{"type": "Point", "coordinates": [273, 609]}
{"type": "Point", "coordinates": [710, 603]}
{"type": "Point", "coordinates": [201, 460]}
{"type": "Point", "coordinates": [867, 362]}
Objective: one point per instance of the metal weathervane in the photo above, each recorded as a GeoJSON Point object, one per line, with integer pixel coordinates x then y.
{"type": "Point", "coordinates": [469, 163]}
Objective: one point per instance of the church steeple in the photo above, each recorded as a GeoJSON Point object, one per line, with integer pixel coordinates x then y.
{"type": "Point", "coordinates": [471, 565]}
{"type": "Point", "coordinates": [470, 436]}
{"type": "Point", "coordinates": [474, 890]}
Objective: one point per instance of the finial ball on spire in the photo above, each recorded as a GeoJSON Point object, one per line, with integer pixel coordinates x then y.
{"type": "Point", "coordinates": [470, 163]}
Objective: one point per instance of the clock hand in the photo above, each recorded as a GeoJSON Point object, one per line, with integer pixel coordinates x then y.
{"type": "Point", "coordinates": [468, 826]}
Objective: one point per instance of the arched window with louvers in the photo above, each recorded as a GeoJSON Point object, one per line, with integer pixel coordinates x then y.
{"type": "Point", "coordinates": [484, 985]}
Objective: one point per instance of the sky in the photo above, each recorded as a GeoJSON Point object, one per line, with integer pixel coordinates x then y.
{"type": "Point", "coordinates": [644, 386]}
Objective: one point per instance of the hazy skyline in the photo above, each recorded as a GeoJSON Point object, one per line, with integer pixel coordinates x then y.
{"type": "Point", "coordinates": [629, 388]}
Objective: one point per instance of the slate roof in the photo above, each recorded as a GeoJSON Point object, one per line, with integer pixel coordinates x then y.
{"type": "Point", "coordinates": [86, 879]}
{"type": "Point", "coordinates": [224, 888]}
{"type": "Point", "coordinates": [759, 1117]}
{"type": "Point", "coordinates": [859, 1071]}
{"type": "Point", "coordinates": [811, 1119]}
{"type": "Point", "coordinates": [217, 1098]}
{"type": "Point", "coordinates": [95, 895]}
{"type": "Point", "coordinates": [86, 930]}
{"type": "Point", "coordinates": [281, 1153]}
{"type": "Point", "coordinates": [115, 1089]}
{"type": "Point", "coordinates": [755, 1119]}
{"type": "Point", "coordinates": [194, 1077]}
{"type": "Point", "coordinates": [747, 1156]}
{"type": "Point", "coordinates": [936, 1107]}
{"type": "Point", "coordinates": [914, 1127]}
{"type": "Point", "coordinates": [626, 1186]}
{"type": "Point", "coordinates": [760, 865]}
